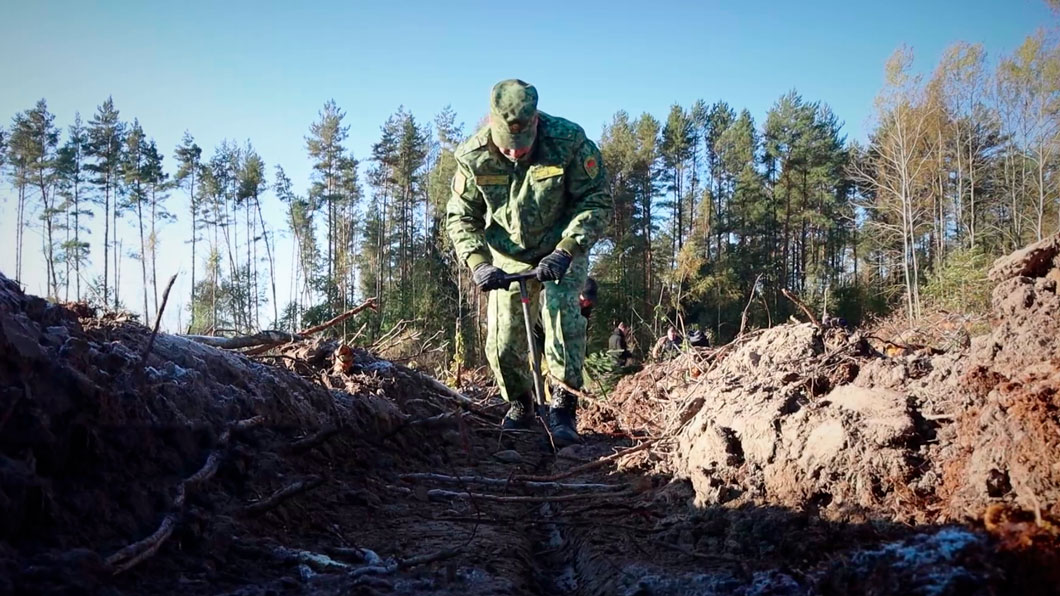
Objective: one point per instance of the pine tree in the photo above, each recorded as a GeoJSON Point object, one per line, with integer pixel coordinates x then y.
{"type": "Point", "coordinates": [251, 184]}
{"type": "Point", "coordinates": [222, 184]}
{"type": "Point", "coordinates": [408, 174]}
{"type": "Point", "coordinates": [382, 178]}
{"type": "Point", "coordinates": [157, 192]}
{"type": "Point", "coordinates": [20, 155]}
{"type": "Point", "coordinates": [188, 177]}
{"type": "Point", "coordinates": [106, 135]}
{"type": "Point", "coordinates": [676, 148]}
{"type": "Point", "coordinates": [300, 219]}
{"type": "Point", "coordinates": [453, 292]}
{"type": "Point", "coordinates": [44, 139]}
{"type": "Point", "coordinates": [70, 169]}
{"type": "Point", "coordinates": [349, 190]}
{"type": "Point", "coordinates": [324, 145]}
{"type": "Point", "coordinates": [719, 118]}
{"type": "Point", "coordinates": [134, 176]}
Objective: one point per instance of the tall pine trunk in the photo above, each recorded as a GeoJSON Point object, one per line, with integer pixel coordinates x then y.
{"type": "Point", "coordinates": [272, 262]}
{"type": "Point", "coordinates": [117, 250]}
{"type": "Point", "coordinates": [21, 224]}
{"type": "Point", "coordinates": [154, 249]}
{"type": "Point", "coordinates": [106, 240]}
{"type": "Point", "coordinates": [194, 242]}
{"type": "Point", "coordinates": [143, 252]}
{"type": "Point", "coordinates": [77, 240]}
{"type": "Point", "coordinates": [66, 259]}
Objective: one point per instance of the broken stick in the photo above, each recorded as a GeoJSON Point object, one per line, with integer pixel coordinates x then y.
{"type": "Point", "coordinates": [743, 315]}
{"type": "Point", "coordinates": [370, 303]}
{"type": "Point", "coordinates": [158, 321]}
{"type": "Point", "coordinates": [809, 314]}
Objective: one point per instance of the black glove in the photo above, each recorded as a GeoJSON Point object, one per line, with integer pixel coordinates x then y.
{"type": "Point", "coordinates": [554, 266]}
{"type": "Point", "coordinates": [487, 277]}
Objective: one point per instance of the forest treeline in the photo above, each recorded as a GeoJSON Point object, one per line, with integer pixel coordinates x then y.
{"type": "Point", "coordinates": [714, 213]}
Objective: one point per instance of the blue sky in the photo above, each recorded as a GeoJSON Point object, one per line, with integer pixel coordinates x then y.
{"type": "Point", "coordinates": [262, 70]}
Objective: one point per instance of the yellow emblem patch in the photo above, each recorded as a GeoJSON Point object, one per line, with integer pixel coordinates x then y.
{"type": "Point", "coordinates": [540, 173]}
{"type": "Point", "coordinates": [592, 166]}
{"type": "Point", "coordinates": [491, 180]}
{"type": "Point", "coordinates": [459, 182]}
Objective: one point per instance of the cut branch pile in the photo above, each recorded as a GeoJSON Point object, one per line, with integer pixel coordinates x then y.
{"type": "Point", "coordinates": [263, 341]}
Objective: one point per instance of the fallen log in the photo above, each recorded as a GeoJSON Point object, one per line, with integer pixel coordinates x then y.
{"type": "Point", "coordinates": [268, 337]}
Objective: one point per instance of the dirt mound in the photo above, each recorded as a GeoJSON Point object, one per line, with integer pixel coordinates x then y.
{"type": "Point", "coordinates": [815, 420]}
{"type": "Point", "coordinates": [1008, 444]}
{"type": "Point", "coordinates": [105, 462]}
{"type": "Point", "coordinates": [789, 418]}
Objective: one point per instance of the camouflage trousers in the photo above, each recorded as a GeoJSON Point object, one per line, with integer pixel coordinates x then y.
{"type": "Point", "coordinates": [553, 306]}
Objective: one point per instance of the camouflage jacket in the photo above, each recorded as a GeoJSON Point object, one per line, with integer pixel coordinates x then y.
{"type": "Point", "coordinates": [556, 198]}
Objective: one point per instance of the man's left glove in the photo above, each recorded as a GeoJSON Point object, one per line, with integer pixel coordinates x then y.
{"type": "Point", "coordinates": [554, 266]}
{"type": "Point", "coordinates": [488, 278]}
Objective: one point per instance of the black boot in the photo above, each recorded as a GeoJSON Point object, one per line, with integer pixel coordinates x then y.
{"type": "Point", "coordinates": [561, 420]}
{"type": "Point", "coordinates": [520, 413]}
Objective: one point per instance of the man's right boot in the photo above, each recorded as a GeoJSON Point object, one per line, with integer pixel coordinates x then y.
{"type": "Point", "coordinates": [561, 421]}
{"type": "Point", "coordinates": [520, 413]}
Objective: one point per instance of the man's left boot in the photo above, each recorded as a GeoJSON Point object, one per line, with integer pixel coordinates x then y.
{"type": "Point", "coordinates": [561, 420]}
{"type": "Point", "coordinates": [520, 413]}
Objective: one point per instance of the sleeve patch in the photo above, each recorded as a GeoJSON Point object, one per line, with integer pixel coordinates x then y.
{"type": "Point", "coordinates": [592, 166]}
{"type": "Point", "coordinates": [459, 182]}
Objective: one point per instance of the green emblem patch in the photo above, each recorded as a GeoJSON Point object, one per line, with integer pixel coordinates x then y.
{"type": "Point", "coordinates": [592, 167]}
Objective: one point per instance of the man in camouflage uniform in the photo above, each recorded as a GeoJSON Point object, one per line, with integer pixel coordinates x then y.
{"type": "Point", "coordinates": [529, 192]}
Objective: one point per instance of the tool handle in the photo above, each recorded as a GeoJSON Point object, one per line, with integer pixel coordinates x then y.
{"type": "Point", "coordinates": [510, 278]}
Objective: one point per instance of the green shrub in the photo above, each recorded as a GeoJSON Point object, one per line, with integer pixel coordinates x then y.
{"type": "Point", "coordinates": [960, 285]}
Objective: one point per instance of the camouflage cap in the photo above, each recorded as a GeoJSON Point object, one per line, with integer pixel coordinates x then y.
{"type": "Point", "coordinates": [513, 113]}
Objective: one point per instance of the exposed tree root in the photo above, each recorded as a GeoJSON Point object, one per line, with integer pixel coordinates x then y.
{"type": "Point", "coordinates": [137, 552]}
{"type": "Point", "coordinates": [603, 461]}
{"type": "Point", "coordinates": [295, 488]}
{"type": "Point", "coordinates": [506, 483]}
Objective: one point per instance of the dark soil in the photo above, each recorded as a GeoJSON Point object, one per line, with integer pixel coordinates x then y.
{"type": "Point", "coordinates": [794, 461]}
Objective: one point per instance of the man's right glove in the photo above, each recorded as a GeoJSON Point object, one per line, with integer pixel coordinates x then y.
{"type": "Point", "coordinates": [487, 277]}
{"type": "Point", "coordinates": [554, 266]}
